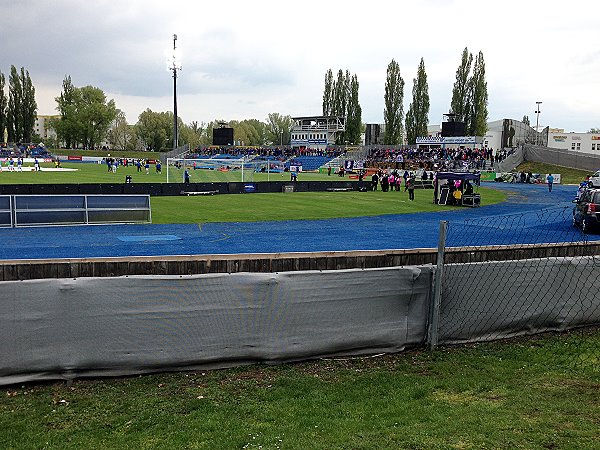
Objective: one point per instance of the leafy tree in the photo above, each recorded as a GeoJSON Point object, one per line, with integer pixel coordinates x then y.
{"type": "Point", "coordinates": [279, 129]}
{"type": "Point", "coordinates": [14, 116]}
{"type": "Point", "coordinates": [94, 114]}
{"type": "Point", "coordinates": [28, 105]}
{"type": "Point", "coordinates": [594, 130]}
{"type": "Point", "coordinates": [417, 116]}
{"type": "Point", "coordinates": [207, 134]}
{"type": "Point", "coordinates": [526, 120]}
{"type": "Point", "coordinates": [187, 135]}
{"type": "Point", "coordinates": [121, 135]}
{"type": "Point", "coordinates": [3, 105]}
{"type": "Point", "coordinates": [478, 112]}
{"type": "Point", "coordinates": [460, 93]}
{"type": "Point", "coordinates": [155, 130]}
{"type": "Point", "coordinates": [341, 96]}
{"type": "Point", "coordinates": [66, 125]}
{"type": "Point", "coordinates": [328, 93]}
{"type": "Point", "coordinates": [354, 117]}
{"type": "Point", "coordinates": [411, 125]}
{"type": "Point", "coordinates": [86, 115]}
{"type": "Point", "coordinates": [21, 108]}
{"type": "Point", "coordinates": [393, 99]}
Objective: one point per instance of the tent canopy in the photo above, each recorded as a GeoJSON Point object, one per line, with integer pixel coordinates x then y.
{"type": "Point", "coordinates": [463, 176]}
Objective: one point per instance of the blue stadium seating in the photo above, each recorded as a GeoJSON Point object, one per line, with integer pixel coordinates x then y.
{"type": "Point", "coordinates": [309, 162]}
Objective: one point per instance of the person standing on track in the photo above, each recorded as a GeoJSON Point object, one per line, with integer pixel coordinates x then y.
{"type": "Point", "coordinates": [550, 180]}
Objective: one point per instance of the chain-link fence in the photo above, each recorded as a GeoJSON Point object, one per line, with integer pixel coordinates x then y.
{"type": "Point", "coordinates": [518, 286]}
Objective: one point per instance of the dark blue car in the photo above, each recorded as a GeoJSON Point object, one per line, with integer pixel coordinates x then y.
{"type": "Point", "coordinates": [586, 212]}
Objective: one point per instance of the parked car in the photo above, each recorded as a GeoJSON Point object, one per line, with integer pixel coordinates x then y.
{"type": "Point", "coordinates": [594, 180]}
{"type": "Point", "coordinates": [586, 212]}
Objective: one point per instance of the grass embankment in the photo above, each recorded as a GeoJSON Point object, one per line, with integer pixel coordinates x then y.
{"type": "Point", "coordinates": [568, 175]}
{"type": "Point", "coordinates": [524, 394]}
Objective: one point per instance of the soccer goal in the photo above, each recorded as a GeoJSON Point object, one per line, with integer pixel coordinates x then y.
{"type": "Point", "coordinates": [212, 170]}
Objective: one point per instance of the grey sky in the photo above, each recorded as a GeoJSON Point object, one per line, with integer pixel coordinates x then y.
{"type": "Point", "coordinates": [246, 59]}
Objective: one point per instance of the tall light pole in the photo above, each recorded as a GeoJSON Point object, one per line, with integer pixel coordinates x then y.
{"type": "Point", "coordinates": [174, 65]}
{"type": "Point", "coordinates": [537, 121]}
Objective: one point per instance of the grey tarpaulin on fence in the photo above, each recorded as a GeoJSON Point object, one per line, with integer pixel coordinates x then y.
{"type": "Point", "coordinates": [65, 328]}
{"type": "Point", "coordinates": [500, 299]}
{"type": "Point", "coordinates": [562, 157]}
{"type": "Point", "coordinates": [509, 163]}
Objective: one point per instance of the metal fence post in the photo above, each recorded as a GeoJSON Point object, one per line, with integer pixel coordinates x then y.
{"type": "Point", "coordinates": [434, 310]}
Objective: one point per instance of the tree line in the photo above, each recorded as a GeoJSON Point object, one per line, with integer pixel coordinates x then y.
{"type": "Point", "coordinates": [18, 110]}
{"type": "Point", "coordinates": [87, 118]}
{"type": "Point", "coordinates": [469, 101]}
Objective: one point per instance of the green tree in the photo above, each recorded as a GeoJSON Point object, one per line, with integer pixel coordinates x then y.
{"type": "Point", "coordinates": [121, 135]}
{"type": "Point", "coordinates": [14, 116]}
{"type": "Point", "coordinates": [328, 93]}
{"type": "Point", "coordinates": [21, 108]}
{"type": "Point", "coordinates": [478, 112]}
{"type": "Point", "coordinates": [188, 135]}
{"type": "Point", "coordinates": [3, 105]}
{"type": "Point", "coordinates": [279, 129]}
{"type": "Point", "coordinates": [66, 125]}
{"type": "Point", "coordinates": [341, 96]}
{"type": "Point", "coordinates": [417, 116]}
{"type": "Point", "coordinates": [594, 130]}
{"type": "Point", "coordinates": [94, 115]}
{"type": "Point", "coordinates": [411, 126]}
{"type": "Point", "coordinates": [526, 120]}
{"type": "Point", "coordinates": [393, 99]}
{"type": "Point", "coordinates": [155, 130]}
{"type": "Point", "coordinates": [207, 134]}
{"type": "Point", "coordinates": [28, 105]}
{"type": "Point", "coordinates": [460, 93]}
{"type": "Point", "coordinates": [354, 117]}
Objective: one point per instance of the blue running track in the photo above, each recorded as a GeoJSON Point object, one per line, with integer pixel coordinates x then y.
{"type": "Point", "coordinates": [530, 215]}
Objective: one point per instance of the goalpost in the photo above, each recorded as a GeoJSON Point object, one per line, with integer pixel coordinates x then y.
{"type": "Point", "coordinates": [213, 170]}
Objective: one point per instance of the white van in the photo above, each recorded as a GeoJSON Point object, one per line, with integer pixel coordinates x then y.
{"type": "Point", "coordinates": [594, 180]}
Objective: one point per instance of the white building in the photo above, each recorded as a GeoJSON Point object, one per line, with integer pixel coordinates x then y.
{"type": "Point", "coordinates": [579, 142]}
{"type": "Point", "coordinates": [316, 132]}
{"type": "Point", "coordinates": [42, 127]}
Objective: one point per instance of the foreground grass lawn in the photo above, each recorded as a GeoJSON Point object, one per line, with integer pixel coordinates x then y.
{"type": "Point", "coordinates": [540, 393]}
{"type": "Point", "coordinates": [297, 205]}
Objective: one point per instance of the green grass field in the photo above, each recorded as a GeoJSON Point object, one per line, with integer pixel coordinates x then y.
{"type": "Point", "coordinates": [297, 205]}
{"type": "Point", "coordinates": [531, 394]}
{"type": "Point", "coordinates": [98, 173]}
{"type": "Point", "coordinates": [249, 207]}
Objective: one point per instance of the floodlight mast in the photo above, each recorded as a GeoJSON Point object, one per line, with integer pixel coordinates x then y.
{"type": "Point", "coordinates": [175, 67]}
{"type": "Point", "coordinates": [537, 122]}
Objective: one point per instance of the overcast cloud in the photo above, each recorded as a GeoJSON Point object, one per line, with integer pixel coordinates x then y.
{"type": "Point", "coordinates": [245, 59]}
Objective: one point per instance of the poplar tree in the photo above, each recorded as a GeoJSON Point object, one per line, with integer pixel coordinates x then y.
{"type": "Point", "coordinates": [460, 93]}
{"type": "Point", "coordinates": [417, 116]}
{"type": "Point", "coordinates": [3, 105]}
{"type": "Point", "coordinates": [328, 93]}
{"type": "Point", "coordinates": [354, 118]}
{"type": "Point", "coordinates": [13, 112]}
{"type": "Point", "coordinates": [66, 126]}
{"type": "Point", "coordinates": [393, 99]}
{"type": "Point", "coordinates": [28, 105]}
{"type": "Point", "coordinates": [478, 113]}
